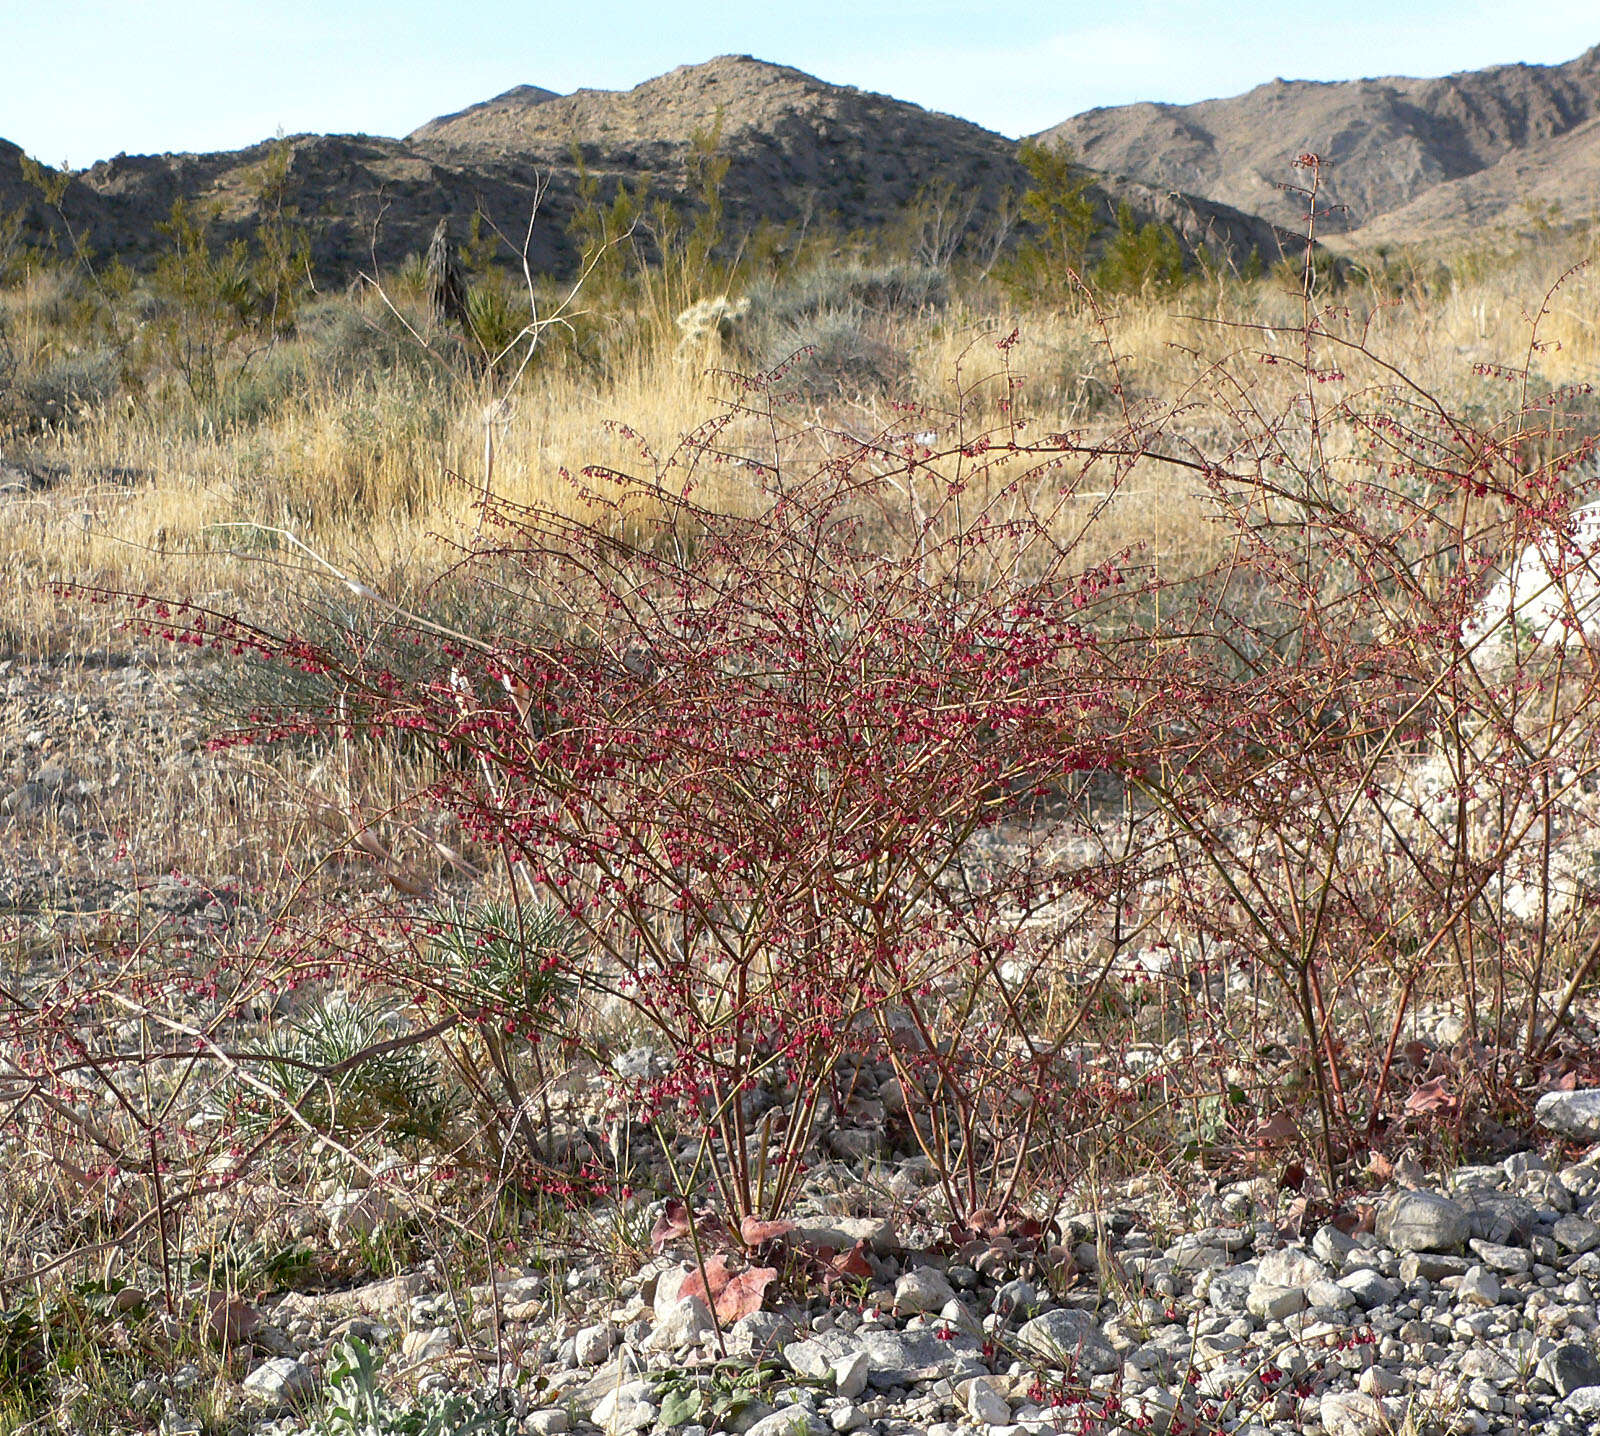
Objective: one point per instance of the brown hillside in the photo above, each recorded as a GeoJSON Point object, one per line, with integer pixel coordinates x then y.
{"type": "Point", "coordinates": [799, 150]}
{"type": "Point", "coordinates": [1388, 142]}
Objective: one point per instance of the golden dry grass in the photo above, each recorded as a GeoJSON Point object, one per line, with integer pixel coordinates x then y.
{"type": "Point", "coordinates": [360, 468]}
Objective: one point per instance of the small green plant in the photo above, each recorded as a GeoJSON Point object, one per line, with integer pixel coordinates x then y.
{"type": "Point", "coordinates": [718, 1397]}
{"type": "Point", "coordinates": [357, 1405]}
{"type": "Point", "coordinates": [507, 971]}
{"type": "Point", "coordinates": [347, 1070]}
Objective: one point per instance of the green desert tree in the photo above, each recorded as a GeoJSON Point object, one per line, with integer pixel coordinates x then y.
{"type": "Point", "coordinates": [1061, 220]}
{"type": "Point", "coordinates": [1140, 258]}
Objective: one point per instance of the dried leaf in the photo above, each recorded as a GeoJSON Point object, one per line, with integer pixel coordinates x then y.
{"type": "Point", "coordinates": [754, 1231]}
{"type": "Point", "coordinates": [1431, 1097]}
{"type": "Point", "coordinates": [708, 1284]}
{"type": "Point", "coordinates": [742, 1296]}
{"type": "Point", "coordinates": [671, 1224]}
{"type": "Point", "coordinates": [852, 1263]}
{"type": "Point", "coordinates": [1275, 1130]}
{"type": "Point", "coordinates": [227, 1322]}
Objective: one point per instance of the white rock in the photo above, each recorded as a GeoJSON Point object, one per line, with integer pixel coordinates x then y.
{"type": "Point", "coordinates": [921, 1290]}
{"type": "Point", "coordinates": [1576, 1234]}
{"type": "Point", "coordinates": [850, 1374]}
{"type": "Point", "coordinates": [1351, 1413]}
{"type": "Point", "coordinates": [687, 1324]}
{"type": "Point", "coordinates": [983, 1402]}
{"type": "Point", "coordinates": [1330, 1293]}
{"type": "Point", "coordinates": [1583, 1401]}
{"type": "Point", "coordinates": [356, 1212]}
{"type": "Point", "coordinates": [790, 1421]}
{"type": "Point", "coordinates": [280, 1382]}
{"type": "Point", "coordinates": [1501, 1258]}
{"type": "Point", "coordinates": [1550, 593]}
{"type": "Point", "coordinates": [428, 1344]}
{"type": "Point", "coordinates": [1289, 1267]}
{"type": "Point", "coordinates": [1070, 1339]}
{"type": "Point", "coordinates": [625, 1408]}
{"type": "Point", "coordinates": [1380, 1381]}
{"type": "Point", "coordinates": [593, 1344]}
{"type": "Point", "coordinates": [553, 1422]}
{"type": "Point", "coordinates": [1573, 1114]}
{"type": "Point", "coordinates": [1423, 1222]}
{"type": "Point", "coordinates": [668, 1285]}
{"type": "Point", "coordinates": [1479, 1287]}
{"type": "Point", "coordinates": [1274, 1303]}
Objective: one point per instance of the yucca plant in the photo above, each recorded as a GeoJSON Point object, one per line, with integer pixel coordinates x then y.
{"type": "Point", "coordinates": [507, 970]}
{"type": "Point", "coordinates": [338, 1066]}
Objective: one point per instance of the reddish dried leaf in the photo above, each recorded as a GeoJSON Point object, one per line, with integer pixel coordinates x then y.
{"type": "Point", "coordinates": [1275, 1130]}
{"type": "Point", "coordinates": [742, 1295]}
{"type": "Point", "coordinates": [851, 1263]}
{"type": "Point", "coordinates": [985, 1220]}
{"type": "Point", "coordinates": [709, 1284]}
{"type": "Point", "coordinates": [1346, 1221]}
{"type": "Point", "coordinates": [671, 1224]}
{"type": "Point", "coordinates": [754, 1231]}
{"type": "Point", "coordinates": [1430, 1097]}
{"type": "Point", "coordinates": [225, 1322]}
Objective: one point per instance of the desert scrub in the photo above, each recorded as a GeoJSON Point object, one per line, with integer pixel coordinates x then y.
{"type": "Point", "coordinates": [345, 1068]}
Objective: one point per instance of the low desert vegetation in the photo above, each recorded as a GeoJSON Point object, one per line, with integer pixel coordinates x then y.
{"type": "Point", "coordinates": [757, 703]}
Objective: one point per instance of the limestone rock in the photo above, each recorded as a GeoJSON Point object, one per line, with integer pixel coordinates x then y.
{"type": "Point", "coordinates": [1423, 1222]}
{"type": "Point", "coordinates": [1070, 1339]}
{"type": "Point", "coordinates": [1572, 1114]}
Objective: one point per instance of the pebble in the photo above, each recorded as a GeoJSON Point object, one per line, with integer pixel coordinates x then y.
{"type": "Point", "coordinates": [1422, 1221]}
{"type": "Point", "coordinates": [280, 1383]}
{"type": "Point", "coordinates": [922, 1289]}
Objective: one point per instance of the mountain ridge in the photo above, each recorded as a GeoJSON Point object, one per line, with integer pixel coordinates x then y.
{"type": "Point", "coordinates": [1386, 142]}
{"type": "Point", "coordinates": [1403, 157]}
{"type": "Point", "coordinates": [798, 149]}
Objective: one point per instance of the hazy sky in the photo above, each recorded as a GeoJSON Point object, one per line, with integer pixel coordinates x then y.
{"type": "Point", "coordinates": [84, 79]}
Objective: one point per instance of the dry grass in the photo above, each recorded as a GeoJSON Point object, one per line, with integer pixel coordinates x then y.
{"type": "Point", "coordinates": [358, 463]}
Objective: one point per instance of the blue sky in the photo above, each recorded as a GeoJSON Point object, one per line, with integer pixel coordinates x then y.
{"type": "Point", "coordinates": [83, 79]}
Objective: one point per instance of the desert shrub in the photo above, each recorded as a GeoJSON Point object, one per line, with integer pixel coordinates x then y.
{"type": "Point", "coordinates": [841, 325]}
{"type": "Point", "coordinates": [61, 388]}
{"type": "Point", "coordinates": [680, 742]}
{"type": "Point", "coordinates": [498, 315]}
{"type": "Point", "coordinates": [345, 1068]}
{"type": "Point", "coordinates": [1139, 258]}
{"type": "Point", "coordinates": [347, 338]}
{"type": "Point", "coordinates": [1061, 222]}
{"type": "Point", "coordinates": [838, 355]}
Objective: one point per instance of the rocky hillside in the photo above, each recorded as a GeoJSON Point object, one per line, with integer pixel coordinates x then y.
{"type": "Point", "coordinates": [1404, 156]}
{"type": "Point", "coordinates": [799, 150]}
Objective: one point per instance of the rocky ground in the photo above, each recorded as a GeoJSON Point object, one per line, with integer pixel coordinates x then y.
{"type": "Point", "coordinates": [1463, 1305]}
{"type": "Point", "coordinates": [1461, 1301]}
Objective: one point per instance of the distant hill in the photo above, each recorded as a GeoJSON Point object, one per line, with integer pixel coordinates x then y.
{"type": "Point", "coordinates": [799, 150]}
{"type": "Point", "coordinates": [1406, 157]}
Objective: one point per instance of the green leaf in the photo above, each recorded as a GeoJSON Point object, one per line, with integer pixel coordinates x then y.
{"type": "Point", "coordinates": [679, 1407]}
